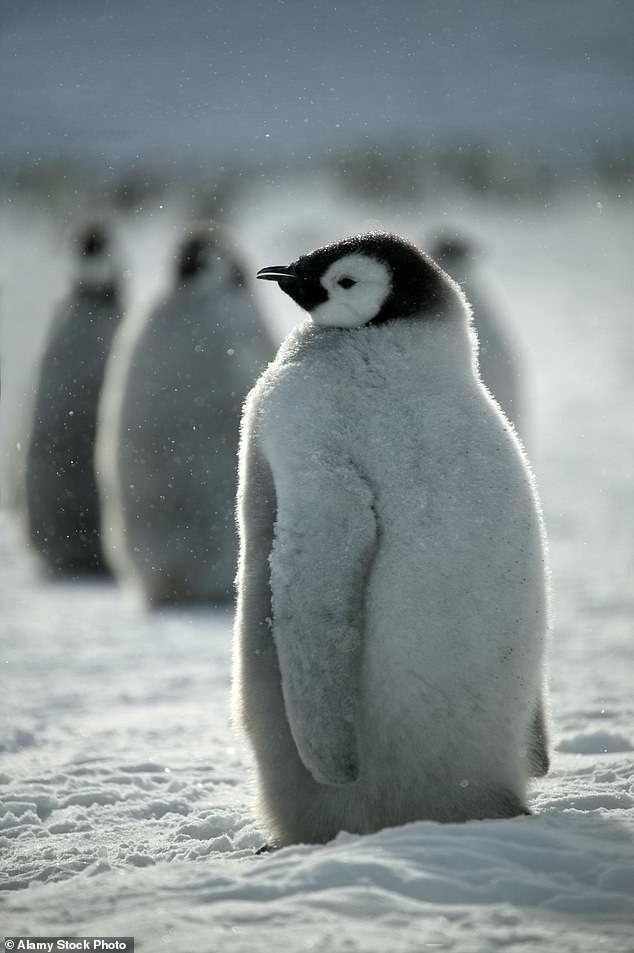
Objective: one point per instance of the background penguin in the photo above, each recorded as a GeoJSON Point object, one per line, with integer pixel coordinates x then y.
{"type": "Point", "coordinates": [62, 506]}
{"type": "Point", "coordinates": [498, 358]}
{"type": "Point", "coordinates": [170, 419]}
{"type": "Point", "coordinates": [392, 605]}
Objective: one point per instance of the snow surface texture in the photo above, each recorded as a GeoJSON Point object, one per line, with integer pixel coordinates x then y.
{"type": "Point", "coordinates": [126, 800]}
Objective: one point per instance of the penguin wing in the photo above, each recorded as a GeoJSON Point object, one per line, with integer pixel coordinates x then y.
{"type": "Point", "coordinates": [325, 537]}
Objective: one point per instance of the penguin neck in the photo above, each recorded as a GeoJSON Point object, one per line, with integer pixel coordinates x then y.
{"type": "Point", "coordinates": [445, 345]}
{"type": "Point", "coordinates": [106, 292]}
{"type": "Point", "coordinates": [211, 302]}
{"type": "Point", "coordinates": [96, 278]}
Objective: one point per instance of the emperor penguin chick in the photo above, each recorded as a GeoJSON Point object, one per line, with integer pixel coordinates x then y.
{"type": "Point", "coordinates": [170, 424]}
{"type": "Point", "coordinates": [62, 505]}
{"type": "Point", "coordinates": [498, 358]}
{"type": "Point", "coordinates": [392, 601]}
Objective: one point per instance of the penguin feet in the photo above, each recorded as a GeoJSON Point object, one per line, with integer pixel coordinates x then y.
{"type": "Point", "coordinates": [509, 804]}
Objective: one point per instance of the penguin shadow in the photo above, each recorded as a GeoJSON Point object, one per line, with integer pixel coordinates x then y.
{"type": "Point", "coordinates": [559, 861]}
{"type": "Point", "coordinates": [569, 871]}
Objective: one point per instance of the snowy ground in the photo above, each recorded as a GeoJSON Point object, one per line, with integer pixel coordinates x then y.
{"type": "Point", "coordinates": [125, 792]}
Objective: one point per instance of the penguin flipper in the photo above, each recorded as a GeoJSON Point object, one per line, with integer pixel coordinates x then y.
{"type": "Point", "coordinates": [325, 539]}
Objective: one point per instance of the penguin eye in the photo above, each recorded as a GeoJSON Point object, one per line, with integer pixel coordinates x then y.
{"type": "Point", "coordinates": [346, 282]}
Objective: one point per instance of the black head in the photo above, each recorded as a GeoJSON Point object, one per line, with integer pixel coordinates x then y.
{"type": "Point", "coordinates": [367, 279]}
{"type": "Point", "coordinates": [193, 256]}
{"type": "Point", "coordinates": [203, 251]}
{"type": "Point", "coordinates": [453, 249]}
{"type": "Point", "coordinates": [96, 266]}
{"type": "Point", "coordinates": [92, 241]}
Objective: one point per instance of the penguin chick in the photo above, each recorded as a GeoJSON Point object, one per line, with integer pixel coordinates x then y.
{"type": "Point", "coordinates": [171, 413]}
{"type": "Point", "coordinates": [498, 359]}
{"type": "Point", "coordinates": [392, 603]}
{"type": "Point", "coordinates": [62, 506]}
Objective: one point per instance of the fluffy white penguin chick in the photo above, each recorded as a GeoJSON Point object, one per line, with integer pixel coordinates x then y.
{"type": "Point", "coordinates": [169, 427]}
{"type": "Point", "coordinates": [392, 601]}
{"type": "Point", "coordinates": [62, 504]}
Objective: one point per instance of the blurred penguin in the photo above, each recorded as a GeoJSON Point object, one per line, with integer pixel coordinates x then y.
{"type": "Point", "coordinates": [62, 505]}
{"type": "Point", "coordinates": [171, 411]}
{"type": "Point", "coordinates": [500, 367]}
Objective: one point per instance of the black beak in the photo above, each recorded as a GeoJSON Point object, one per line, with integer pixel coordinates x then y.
{"type": "Point", "coordinates": [277, 273]}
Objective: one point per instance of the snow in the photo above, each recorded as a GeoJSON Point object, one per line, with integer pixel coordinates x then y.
{"type": "Point", "coordinates": [125, 791]}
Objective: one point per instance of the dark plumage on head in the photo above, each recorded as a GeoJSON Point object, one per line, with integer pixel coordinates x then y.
{"type": "Point", "coordinates": [416, 283]}
{"type": "Point", "coordinates": [207, 249]}
{"type": "Point", "coordinates": [93, 240]}
{"type": "Point", "coordinates": [452, 249]}
{"type": "Point", "coordinates": [193, 255]}
{"type": "Point", "coordinates": [97, 273]}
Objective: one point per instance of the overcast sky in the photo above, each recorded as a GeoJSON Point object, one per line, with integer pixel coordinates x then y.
{"type": "Point", "coordinates": [189, 79]}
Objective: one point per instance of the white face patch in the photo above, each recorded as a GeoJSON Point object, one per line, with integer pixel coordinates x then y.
{"type": "Point", "coordinates": [357, 287]}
